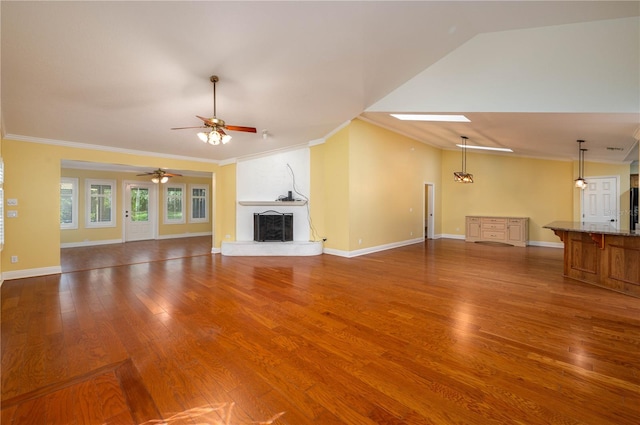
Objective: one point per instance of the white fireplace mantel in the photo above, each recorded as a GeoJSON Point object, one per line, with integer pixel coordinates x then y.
{"type": "Point", "coordinates": [271, 203]}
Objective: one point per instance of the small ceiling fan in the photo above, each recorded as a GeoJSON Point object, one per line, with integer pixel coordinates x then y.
{"type": "Point", "coordinates": [215, 127]}
{"type": "Point", "coordinates": [160, 176]}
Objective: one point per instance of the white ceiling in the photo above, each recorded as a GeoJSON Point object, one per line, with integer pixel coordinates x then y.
{"type": "Point", "coordinates": [121, 74]}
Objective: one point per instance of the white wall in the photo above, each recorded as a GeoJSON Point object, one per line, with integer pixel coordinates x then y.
{"type": "Point", "coordinates": [266, 179]}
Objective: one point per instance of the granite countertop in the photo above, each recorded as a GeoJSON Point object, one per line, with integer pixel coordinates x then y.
{"type": "Point", "coordinates": [585, 227]}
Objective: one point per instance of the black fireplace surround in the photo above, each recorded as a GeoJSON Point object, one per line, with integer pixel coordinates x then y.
{"type": "Point", "coordinates": [272, 226]}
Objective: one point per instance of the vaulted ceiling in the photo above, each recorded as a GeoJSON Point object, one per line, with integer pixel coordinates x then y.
{"type": "Point", "coordinates": [532, 76]}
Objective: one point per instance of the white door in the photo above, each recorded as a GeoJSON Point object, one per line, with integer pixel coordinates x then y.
{"type": "Point", "coordinates": [600, 201]}
{"type": "Point", "coordinates": [140, 211]}
{"type": "Point", "coordinates": [429, 201]}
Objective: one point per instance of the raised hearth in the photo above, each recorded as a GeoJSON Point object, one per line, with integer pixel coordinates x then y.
{"type": "Point", "coordinates": [265, 249]}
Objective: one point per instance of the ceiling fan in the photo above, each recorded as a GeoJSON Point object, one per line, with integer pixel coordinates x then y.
{"type": "Point", "coordinates": [215, 127]}
{"type": "Point", "coordinates": [160, 176]}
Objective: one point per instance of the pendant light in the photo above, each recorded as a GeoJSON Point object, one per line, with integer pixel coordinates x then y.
{"type": "Point", "coordinates": [580, 182]}
{"type": "Point", "coordinates": [463, 176]}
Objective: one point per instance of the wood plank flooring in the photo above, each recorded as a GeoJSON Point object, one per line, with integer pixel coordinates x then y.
{"type": "Point", "coordinates": [111, 255]}
{"type": "Point", "coordinates": [444, 332]}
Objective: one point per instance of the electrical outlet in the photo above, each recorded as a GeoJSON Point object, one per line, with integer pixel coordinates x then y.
{"type": "Point", "coordinates": [14, 259]}
{"type": "Point", "coordinates": [12, 214]}
{"type": "Point", "coordinates": [12, 202]}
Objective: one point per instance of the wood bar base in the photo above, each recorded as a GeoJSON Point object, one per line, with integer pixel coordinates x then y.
{"type": "Point", "coordinates": [609, 261]}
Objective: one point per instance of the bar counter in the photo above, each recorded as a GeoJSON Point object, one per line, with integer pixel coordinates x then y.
{"type": "Point", "coordinates": [601, 254]}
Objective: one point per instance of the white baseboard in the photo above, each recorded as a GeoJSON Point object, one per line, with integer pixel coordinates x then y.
{"type": "Point", "coordinates": [370, 250]}
{"type": "Point", "coordinates": [184, 235]}
{"type": "Point", "coordinates": [449, 236]}
{"type": "Point", "coordinates": [21, 274]}
{"type": "Point", "coordinates": [90, 243]}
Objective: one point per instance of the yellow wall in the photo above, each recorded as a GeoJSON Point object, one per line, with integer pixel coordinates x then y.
{"type": "Point", "coordinates": [504, 185]}
{"type": "Point", "coordinates": [225, 204]}
{"type": "Point", "coordinates": [386, 195]}
{"type": "Point", "coordinates": [367, 186]}
{"type": "Point", "coordinates": [32, 175]}
{"type": "Point", "coordinates": [331, 161]}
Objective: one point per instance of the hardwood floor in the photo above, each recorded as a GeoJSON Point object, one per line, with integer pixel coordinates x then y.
{"type": "Point", "coordinates": [100, 256]}
{"type": "Point", "coordinates": [433, 333]}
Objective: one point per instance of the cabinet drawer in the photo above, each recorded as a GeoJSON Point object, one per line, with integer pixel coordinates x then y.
{"type": "Point", "coordinates": [493, 220]}
{"type": "Point", "coordinates": [494, 226]}
{"type": "Point", "coordinates": [493, 235]}
{"type": "Point", "coordinates": [473, 219]}
{"type": "Point", "coordinates": [515, 221]}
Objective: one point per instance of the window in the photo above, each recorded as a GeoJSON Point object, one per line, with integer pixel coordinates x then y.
{"type": "Point", "coordinates": [68, 203]}
{"type": "Point", "coordinates": [101, 196]}
{"type": "Point", "coordinates": [199, 203]}
{"type": "Point", "coordinates": [174, 204]}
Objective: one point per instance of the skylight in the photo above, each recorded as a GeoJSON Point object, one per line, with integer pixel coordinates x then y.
{"type": "Point", "coordinates": [487, 148]}
{"type": "Point", "coordinates": [427, 117]}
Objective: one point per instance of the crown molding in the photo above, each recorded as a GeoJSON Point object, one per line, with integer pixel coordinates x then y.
{"type": "Point", "coordinates": [100, 148]}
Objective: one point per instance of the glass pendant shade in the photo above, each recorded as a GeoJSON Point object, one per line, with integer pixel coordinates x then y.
{"type": "Point", "coordinates": [155, 179]}
{"type": "Point", "coordinates": [461, 177]}
{"type": "Point", "coordinates": [214, 137]}
{"type": "Point", "coordinates": [580, 182]}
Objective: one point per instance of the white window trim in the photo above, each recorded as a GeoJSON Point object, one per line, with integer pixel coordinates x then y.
{"type": "Point", "coordinates": [88, 223]}
{"type": "Point", "coordinates": [166, 219]}
{"type": "Point", "coordinates": [206, 203]}
{"type": "Point", "coordinates": [74, 203]}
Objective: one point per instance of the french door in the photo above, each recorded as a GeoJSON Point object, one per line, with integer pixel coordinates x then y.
{"type": "Point", "coordinates": [140, 215]}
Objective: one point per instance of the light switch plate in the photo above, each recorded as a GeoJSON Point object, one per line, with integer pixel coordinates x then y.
{"type": "Point", "coordinates": [12, 214]}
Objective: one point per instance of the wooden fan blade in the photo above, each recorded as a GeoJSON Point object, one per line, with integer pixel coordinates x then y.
{"type": "Point", "coordinates": [184, 128]}
{"type": "Point", "coordinates": [208, 121]}
{"type": "Point", "coordinates": [172, 175]}
{"type": "Point", "coordinates": [240, 128]}
{"type": "Point", "coordinates": [145, 174]}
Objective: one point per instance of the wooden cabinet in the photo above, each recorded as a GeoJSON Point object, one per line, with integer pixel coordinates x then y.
{"type": "Point", "coordinates": [509, 230]}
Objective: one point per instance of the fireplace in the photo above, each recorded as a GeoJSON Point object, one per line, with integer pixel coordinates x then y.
{"type": "Point", "coordinates": [272, 226]}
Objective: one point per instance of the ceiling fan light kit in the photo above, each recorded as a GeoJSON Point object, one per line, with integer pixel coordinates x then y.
{"type": "Point", "coordinates": [215, 128]}
{"type": "Point", "coordinates": [463, 176]}
{"type": "Point", "coordinates": [160, 176]}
